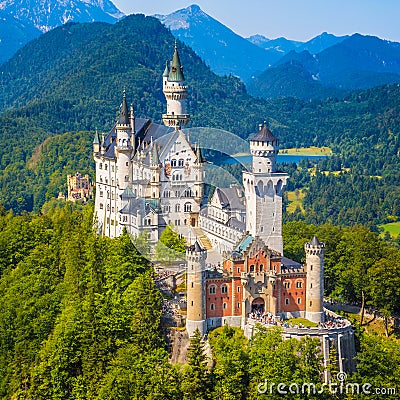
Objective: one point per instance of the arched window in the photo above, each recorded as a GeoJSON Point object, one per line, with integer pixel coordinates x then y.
{"type": "Point", "coordinates": [180, 162]}
{"type": "Point", "coordinates": [188, 207]}
{"type": "Point", "coordinates": [298, 300]}
{"type": "Point", "coordinates": [224, 289]}
{"type": "Point", "coordinates": [299, 284]}
{"type": "Point", "coordinates": [251, 268]}
{"type": "Point", "coordinates": [173, 163]}
{"type": "Point", "coordinates": [177, 208]}
{"type": "Point", "coordinates": [212, 289]}
{"type": "Point", "coordinates": [212, 306]}
{"type": "Point", "coordinates": [286, 285]}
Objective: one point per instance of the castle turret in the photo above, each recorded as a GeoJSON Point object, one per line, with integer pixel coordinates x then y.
{"type": "Point", "coordinates": [198, 168]}
{"type": "Point", "coordinates": [96, 143]}
{"type": "Point", "coordinates": [175, 92]}
{"type": "Point", "coordinates": [264, 187]}
{"type": "Point", "coordinates": [315, 280]}
{"type": "Point", "coordinates": [196, 312]}
{"type": "Point", "coordinates": [155, 168]}
{"type": "Point", "coordinates": [124, 149]}
{"type": "Point", "coordinates": [132, 122]}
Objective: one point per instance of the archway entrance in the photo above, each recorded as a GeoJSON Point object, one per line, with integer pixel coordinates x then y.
{"type": "Point", "coordinates": [258, 305]}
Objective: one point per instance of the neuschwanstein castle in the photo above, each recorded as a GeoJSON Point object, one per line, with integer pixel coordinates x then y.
{"type": "Point", "coordinates": [148, 175]}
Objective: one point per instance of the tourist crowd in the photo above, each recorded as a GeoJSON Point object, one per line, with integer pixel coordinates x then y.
{"type": "Point", "coordinates": [269, 319]}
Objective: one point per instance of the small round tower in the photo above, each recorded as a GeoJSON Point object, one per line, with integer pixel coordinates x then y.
{"type": "Point", "coordinates": [315, 280]}
{"type": "Point", "coordinates": [196, 270]}
{"type": "Point", "coordinates": [264, 148]}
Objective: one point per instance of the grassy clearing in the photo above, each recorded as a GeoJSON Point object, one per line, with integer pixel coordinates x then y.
{"type": "Point", "coordinates": [308, 151]}
{"type": "Point", "coordinates": [295, 200]}
{"type": "Point", "coordinates": [372, 325]}
{"type": "Point", "coordinates": [393, 228]}
{"type": "Point", "coordinates": [305, 322]}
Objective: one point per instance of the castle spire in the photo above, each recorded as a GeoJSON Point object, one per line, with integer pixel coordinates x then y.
{"type": "Point", "coordinates": [176, 71]}
{"type": "Point", "coordinates": [199, 155]}
{"type": "Point", "coordinates": [124, 113]}
{"type": "Point", "coordinates": [166, 70]}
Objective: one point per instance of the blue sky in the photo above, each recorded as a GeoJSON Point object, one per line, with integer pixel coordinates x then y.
{"type": "Point", "coordinates": [293, 19]}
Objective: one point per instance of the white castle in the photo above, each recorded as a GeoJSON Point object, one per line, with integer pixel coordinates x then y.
{"type": "Point", "coordinates": [150, 175]}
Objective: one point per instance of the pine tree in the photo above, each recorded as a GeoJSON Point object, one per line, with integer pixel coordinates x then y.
{"type": "Point", "coordinates": [196, 377]}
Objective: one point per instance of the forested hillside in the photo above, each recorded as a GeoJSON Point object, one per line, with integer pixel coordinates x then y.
{"type": "Point", "coordinates": [71, 80]}
{"type": "Point", "coordinates": [81, 317]}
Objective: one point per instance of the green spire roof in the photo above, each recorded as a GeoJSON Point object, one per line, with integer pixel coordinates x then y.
{"type": "Point", "coordinates": [124, 114]}
{"type": "Point", "coordinates": [176, 70]}
{"type": "Point", "coordinates": [96, 139]}
{"type": "Point", "coordinates": [166, 70]}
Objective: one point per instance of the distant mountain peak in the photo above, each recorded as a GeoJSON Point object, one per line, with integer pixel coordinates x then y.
{"type": "Point", "coordinates": [194, 8]}
{"type": "Point", "coordinates": [182, 18]}
{"type": "Point", "coordinates": [47, 14]}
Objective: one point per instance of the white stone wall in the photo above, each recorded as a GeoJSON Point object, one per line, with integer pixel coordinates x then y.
{"type": "Point", "coordinates": [107, 199]}
{"type": "Point", "coordinates": [222, 237]}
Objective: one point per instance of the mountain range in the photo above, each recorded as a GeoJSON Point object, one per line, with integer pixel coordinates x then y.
{"type": "Point", "coordinates": [283, 45]}
{"type": "Point", "coordinates": [24, 20]}
{"type": "Point", "coordinates": [324, 66]}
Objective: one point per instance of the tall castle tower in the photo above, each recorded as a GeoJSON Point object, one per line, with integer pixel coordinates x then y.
{"type": "Point", "coordinates": [264, 187]}
{"type": "Point", "coordinates": [125, 130]}
{"type": "Point", "coordinates": [315, 280]}
{"type": "Point", "coordinates": [196, 302]}
{"type": "Point", "coordinates": [175, 92]}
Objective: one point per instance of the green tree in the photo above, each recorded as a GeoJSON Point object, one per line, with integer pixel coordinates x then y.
{"type": "Point", "coordinates": [142, 243]}
{"type": "Point", "coordinates": [384, 280]}
{"type": "Point", "coordinates": [171, 246]}
{"type": "Point", "coordinates": [135, 374]}
{"type": "Point", "coordinates": [359, 250]}
{"type": "Point", "coordinates": [195, 376]}
{"type": "Point", "coordinates": [230, 354]}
